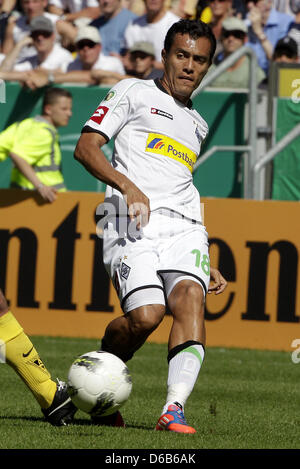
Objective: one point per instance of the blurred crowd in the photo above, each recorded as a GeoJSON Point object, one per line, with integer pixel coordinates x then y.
{"type": "Point", "coordinates": [104, 41]}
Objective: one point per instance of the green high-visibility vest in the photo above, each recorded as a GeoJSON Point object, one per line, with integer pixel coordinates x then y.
{"type": "Point", "coordinates": [36, 141]}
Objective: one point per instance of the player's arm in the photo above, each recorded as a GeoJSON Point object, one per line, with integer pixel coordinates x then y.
{"type": "Point", "coordinates": [49, 194]}
{"type": "Point", "coordinates": [89, 153]}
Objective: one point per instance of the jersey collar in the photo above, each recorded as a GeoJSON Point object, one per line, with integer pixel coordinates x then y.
{"type": "Point", "coordinates": [162, 88]}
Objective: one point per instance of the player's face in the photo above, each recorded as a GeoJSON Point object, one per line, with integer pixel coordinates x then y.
{"type": "Point", "coordinates": [60, 111]}
{"type": "Point", "coordinates": [185, 65]}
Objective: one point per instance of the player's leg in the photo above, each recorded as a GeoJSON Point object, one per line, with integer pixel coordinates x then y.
{"type": "Point", "coordinates": [126, 334]}
{"type": "Point", "coordinates": [186, 352]}
{"type": "Point", "coordinates": [21, 355]}
{"type": "Point", "coordinates": [186, 274]}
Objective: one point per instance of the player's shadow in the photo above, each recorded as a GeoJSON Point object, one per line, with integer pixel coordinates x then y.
{"type": "Point", "coordinates": [21, 418]}
{"type": "Point", "coordinates": [89, 423]}
{"type": "Point", "coordinates": [76, 422]}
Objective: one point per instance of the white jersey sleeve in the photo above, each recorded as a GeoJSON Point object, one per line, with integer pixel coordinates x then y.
{"type": "Point", "coordinates": [114, 110]}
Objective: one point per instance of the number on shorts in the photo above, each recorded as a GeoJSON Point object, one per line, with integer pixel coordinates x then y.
{"type": "Point", "coordinates": [204, 264]}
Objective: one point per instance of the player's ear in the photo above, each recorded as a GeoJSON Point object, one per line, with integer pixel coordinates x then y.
{"type": "Point", "coordinates": [163, 56]}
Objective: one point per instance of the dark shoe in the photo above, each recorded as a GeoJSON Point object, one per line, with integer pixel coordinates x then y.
{"type": "Point", "coordinates": [62, 409]}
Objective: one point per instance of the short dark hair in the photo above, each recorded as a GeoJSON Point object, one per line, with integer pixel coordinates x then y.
{"type": "Point", "coordinates": [195, 29]}
{"type": "Point", "coordinates": [52, 94]}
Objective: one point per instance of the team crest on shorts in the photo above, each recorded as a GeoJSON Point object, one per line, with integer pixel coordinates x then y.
{"type": "Point", "coordinates": [125, 270]}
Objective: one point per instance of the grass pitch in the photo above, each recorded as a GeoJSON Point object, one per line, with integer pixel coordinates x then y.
{"type": "Point", "coordinates": [243, 399]}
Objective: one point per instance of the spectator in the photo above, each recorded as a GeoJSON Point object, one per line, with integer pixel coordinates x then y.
{"type": "Point", "coordinates": [89, 58]}
{"type": "Point", "coordinates": [6, 7]}
{"type": "Point", "coordinates": [203, 11]}
{"type": "Point", "coordinates": [48, 54]}
{"type": "Point", "coordinates": [151, 27]}
{"type": "Point", "coordinates": [34, 148]}
{"type": "Point", "coordinates": [221, 9]}
{"type": "Point", "coordinates": [142, 59]}
{"type": "Point", "coordinates": [234, 36]}
{"type": "Point", "coordinates": [286, 51]}
{"type": "Point", "coordinates": [18, 28]}
{"type": "Point", "coordinates": [282, 6]}
{"type": "Point", "coordinates": [90, 54]}
{"type": "Point", "coordinates": [136, 6]}
{"type": "Point", "coordinates": [112, 24]}
{"type": "Point", "coordinates": [294, 30]}
{"type": "Point", "coordinates": [266, 27]}
{"type": "Point", "coordinates": [74, 10]}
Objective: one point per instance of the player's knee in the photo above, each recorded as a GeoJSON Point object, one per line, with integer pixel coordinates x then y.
{"type": "Point", "coordinates": [146, 319]}
{"type": "Point", "coordinates": [187, 293]}
{"type": "Point", "coordinates": [3, 304]}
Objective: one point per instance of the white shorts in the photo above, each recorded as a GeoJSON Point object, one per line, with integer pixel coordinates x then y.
{"type": "Point", "coordinates": [145, 268]}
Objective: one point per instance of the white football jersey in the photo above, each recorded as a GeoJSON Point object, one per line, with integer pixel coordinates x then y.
{"type": "Point", "coordinates": [157, 142]}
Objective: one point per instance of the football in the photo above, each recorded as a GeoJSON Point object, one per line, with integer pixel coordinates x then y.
{"type": "Point", "coordinates": [99, 383]}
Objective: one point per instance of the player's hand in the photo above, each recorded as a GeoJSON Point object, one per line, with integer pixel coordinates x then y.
{"type": "Point", "coordinates": [49, 194]}
{"type": "Point", "coordinates": [218, 282]}
{"type": "Point", "coordinates": [138, 206]}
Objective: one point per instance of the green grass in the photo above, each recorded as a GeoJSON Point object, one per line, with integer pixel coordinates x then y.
{"type": "Point", "coordinates": [243, 399]}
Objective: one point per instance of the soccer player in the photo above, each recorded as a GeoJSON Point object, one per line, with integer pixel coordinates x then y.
{"type": "Point", "coordinates": [17, 350]}
{"type": "Point", "coordinates": [160, 253]}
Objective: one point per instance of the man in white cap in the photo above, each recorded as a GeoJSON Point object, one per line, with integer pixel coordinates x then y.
{"type": "Point", "coordinates": [142, 61]}
{"type": "Point", "coordinates": [234, 36]}
{"type": "Point", "coordinates": [89, 59]}
{"type": "Point", "coordinates": [88, 44]}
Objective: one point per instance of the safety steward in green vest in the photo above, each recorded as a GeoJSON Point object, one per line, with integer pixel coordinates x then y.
{"type": "Point", "coordinates": [33, 146]}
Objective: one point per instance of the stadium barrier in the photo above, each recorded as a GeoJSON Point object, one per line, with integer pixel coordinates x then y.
{"type": "Point", "coordinates": [52, 273]}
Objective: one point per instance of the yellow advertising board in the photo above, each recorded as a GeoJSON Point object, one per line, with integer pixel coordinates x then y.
{"type": "Point", "coordinates": [52, 273]}
{"type": "Point", "coordinates": [289, 81]}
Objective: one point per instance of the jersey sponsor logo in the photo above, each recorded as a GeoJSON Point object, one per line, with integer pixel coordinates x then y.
{"type": "Point", "coordinates": [166, 146]}
{"type": "Point", "coordinates": [159, 112]}
{"type": "Point", "coordinates": [99, 114]}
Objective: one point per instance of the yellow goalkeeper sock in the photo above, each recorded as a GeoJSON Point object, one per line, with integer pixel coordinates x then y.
{"type": "Point", "coordinates": [21, 355]}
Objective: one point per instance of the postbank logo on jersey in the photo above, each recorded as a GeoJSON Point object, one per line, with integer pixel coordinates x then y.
{"type": "Point", "coordinates": [166, 146]}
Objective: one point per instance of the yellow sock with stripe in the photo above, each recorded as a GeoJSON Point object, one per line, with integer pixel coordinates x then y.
{"type": "Point", "coordinates": [19, 352]}
{"type": "Point", "coordinates": [185, 362]}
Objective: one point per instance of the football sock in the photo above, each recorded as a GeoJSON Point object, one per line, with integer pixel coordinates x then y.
{"type": "Point", "coordinates": [185, 361]}
{"type": "Point", "coordinates": [19, 352]}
